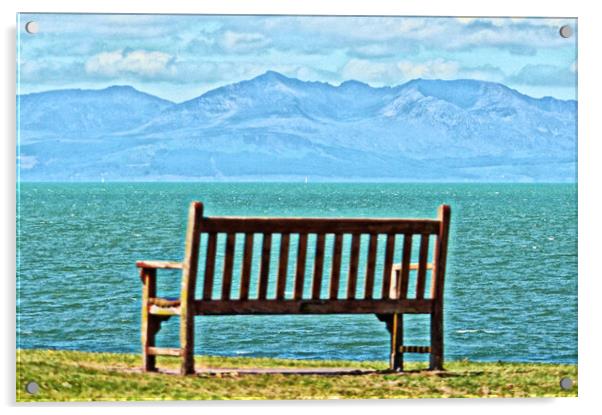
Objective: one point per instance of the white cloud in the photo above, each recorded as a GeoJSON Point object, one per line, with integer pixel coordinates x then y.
{"type": "Point", "coordinates": [437, 68]}
{"type": "Point", "coordinates": [124, 62]}
{"type": "Point", "coordinates": [237, 41]}
{"type": "Point", "coordinates": [27, 162]}
{"type": "Point", "coordinates": [375, 50]}
{"type": "Point", "coordinates": [466, 20]}
{"type": "Point", "coordinates": [394, 72]}
{"type": "Point", "coordinates": [543, 75]}
{"type": "Point", "coordinates": [483, 73]}
{"type": "Point", "coordinates": [377, 73]}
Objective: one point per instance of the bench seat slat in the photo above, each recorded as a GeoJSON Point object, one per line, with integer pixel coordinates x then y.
{"type": "Point", "coordinates": [159, 310]}
{"type": "Point", "coordinates": [318, 225]}
{"type": "Point", "coordinates": [413, 266]}
{"type": "Point", "coordinates": [415, 349]}
{"type": "Point", "coordinates": [326, 306]}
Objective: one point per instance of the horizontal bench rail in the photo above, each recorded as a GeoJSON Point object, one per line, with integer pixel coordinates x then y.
{"type": "Point", "coordinates": [317, 225]}
{"type": "Point", "coordinates": [164, 351]}
{"type": "Point", "coordinates": [327, 306]}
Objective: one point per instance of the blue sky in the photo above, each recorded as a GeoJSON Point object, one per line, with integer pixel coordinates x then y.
{"type": "Point", "coordinates": [179, 57]}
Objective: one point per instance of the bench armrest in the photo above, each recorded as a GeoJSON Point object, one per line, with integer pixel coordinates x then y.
{"type": "Point", "coordinates": [413, 266]}
{"type": "Point", "coordinates": [154, 265]}
{"type": "Point", "coordinates": [159, 264]}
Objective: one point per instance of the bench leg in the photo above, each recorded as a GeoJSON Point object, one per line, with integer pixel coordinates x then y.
{"type": "Point", "coordinates": [150, 324]}
{"type": "Point", "coordinates": [396, 359]}
{"type": "Point", "coordinates": [436, 357]}
{"type": "Point", "coordinates": [149, 331]}
{"type": "Point", "coordinates": [187, 343]}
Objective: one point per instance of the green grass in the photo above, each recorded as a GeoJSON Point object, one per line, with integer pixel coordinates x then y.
{"type": "Point", "coordinates": [79, 376]}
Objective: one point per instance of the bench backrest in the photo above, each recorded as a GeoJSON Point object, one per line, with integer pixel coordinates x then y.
{"type": "Point", "coordinates": [404, 252]}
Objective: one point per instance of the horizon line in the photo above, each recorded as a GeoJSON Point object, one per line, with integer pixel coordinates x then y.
{"type": "Point", "coordinates": [299, 80]}
{"type": "Point", "coordinates": [571, 182]}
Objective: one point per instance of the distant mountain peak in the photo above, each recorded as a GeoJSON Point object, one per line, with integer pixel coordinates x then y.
{"type": "Point", "coordinates": [273, 76]}
{"type": "Point", "coordinates": [130, 90]}
{"type": "Point", "coordinates": [123, 89]}
{"type": "Point", "coordinates": [120, 88]}
{"type": "Point", "coordinates": [87, 113]}
{"type": "Point", "coordinates": [352, 83]}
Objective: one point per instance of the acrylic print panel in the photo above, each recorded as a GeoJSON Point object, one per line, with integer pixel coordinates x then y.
{"type": "Point", "coordinates": [124, 120]}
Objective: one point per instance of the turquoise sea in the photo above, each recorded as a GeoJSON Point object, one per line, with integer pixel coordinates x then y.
{"type": "Point", "coordinates": [511, 287]}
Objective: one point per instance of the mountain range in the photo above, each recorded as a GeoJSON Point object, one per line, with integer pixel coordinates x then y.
{"type": "Point", "coordinates": [273, 127]}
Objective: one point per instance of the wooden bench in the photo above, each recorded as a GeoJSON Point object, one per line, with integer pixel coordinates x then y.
{"type": "Point", "coordinates": [388, 296]}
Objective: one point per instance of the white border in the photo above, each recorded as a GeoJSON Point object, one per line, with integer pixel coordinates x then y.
{"type": "Point", "coordinates": [590, 156]}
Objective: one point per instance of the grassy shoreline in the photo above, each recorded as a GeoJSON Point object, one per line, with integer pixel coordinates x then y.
{"type": "Point", "coordinates": [83, 376]}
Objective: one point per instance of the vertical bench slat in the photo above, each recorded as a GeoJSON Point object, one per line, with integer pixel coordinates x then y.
{"type": "Point", "coordinates": [388, 265]}
{"type": "Point", "coordinates": [422, 260]}
{"type": "Point", "coordinates": [353, 264]}
{"type": "Point", "coordinates": [335, 271]}
{"type": "Point", "coordinates": [209, 266]}
{"type": "Point", "coordinates": [228, 265]}
{"type": "Point", "coordinates": [282, 266]}
{"type": "Point", "coordinates": [264, 270]}
{"type": "Point", "coordinates": [371, 267]}
{"type": "Point", "coordinates": [318, 268]}
{"type": "Point", "coordinates": [300, 272]}
{"type": "Point", "coordinates": [405, 266]}
{"type": "Point", "coordinates": [245, 273]}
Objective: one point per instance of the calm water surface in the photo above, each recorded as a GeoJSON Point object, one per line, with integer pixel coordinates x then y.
{"type": "Point", "coordinates": [511, 288]}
